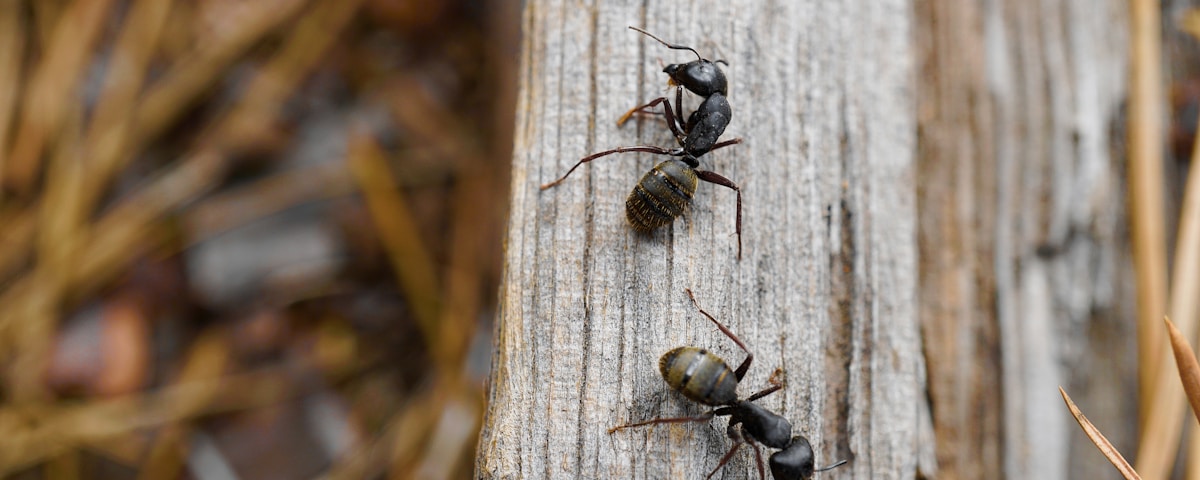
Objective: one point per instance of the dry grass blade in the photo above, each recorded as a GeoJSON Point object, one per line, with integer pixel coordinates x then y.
{"type": "Point", "coordinates": [243, 205]}
{"type": "Point", "coordinates": [1102, 443]}
{"type": "Point", "coordinates": [313, 35]}
{"type": "Point", "coordinates": [27, 310]}
{"type": "Point", "coordinates": [457, 425]}
{"type": "Point", "coordinates": [462, 292]}
{"type": "Point", "coordinates": [1146, 207]}
{"type": "Point", "coordinates": [12, 41]}
{"type": "Point", "coordinates": [60, 225]}
{"type": "Point", "coordinates": [185, 83]}
{"type": "Point", "coordinates": [123, 115]}
{"type": "Point", "coordinates": [207, 361]}
{"type": "Point", "coordinates": [1189, 368]}
{"type": "Point", "coordinates": [48, 98]}
{"type": "Point", "coordinates": [390, 212]}
{"type": "Point", "coordinates": [110, 123]}
{"type": "Point", "coordinates": [1163, 420]}
{"type": "Point", "coordinates": [127, 229]}
{"type": "Point", "coordinates": [368, 460]}
{"type": "Point", "coordinates": [38, 432]}
{"type": "Point", "coordinates": [17, 241]}
{"type": "Point", "coordinates": [120, 235]}
{"type": "Point", "coordinates": [1185, 283]}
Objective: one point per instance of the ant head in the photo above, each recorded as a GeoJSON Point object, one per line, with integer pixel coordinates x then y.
{"type": "Point", "coordinates": [796, 461]}
{"type": "Point", "coordinates": [701, 76]}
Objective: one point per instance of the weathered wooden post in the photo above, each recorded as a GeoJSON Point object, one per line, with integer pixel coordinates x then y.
{"type": "Point", "coordinates": [1026, 281]}
{"type": "Point", "coordinates": [823, 94]}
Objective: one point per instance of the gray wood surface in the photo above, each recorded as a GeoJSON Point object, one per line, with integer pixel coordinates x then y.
{"type": "Point", "coordinates": [823, 94]}
{"type": "Point", "coordinates": [1026, 281]}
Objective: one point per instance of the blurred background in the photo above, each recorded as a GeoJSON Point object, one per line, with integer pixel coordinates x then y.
{"type": "Point", "coordinates": [250, 238]}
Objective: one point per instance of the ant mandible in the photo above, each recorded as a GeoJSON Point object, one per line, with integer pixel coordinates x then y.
{"type": "Point", "coordinates": [705, 378]}
{"type": "Point", "coordinates": [667, 189]}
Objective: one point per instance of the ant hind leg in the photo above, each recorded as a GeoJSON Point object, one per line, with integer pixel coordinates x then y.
{"type": "Point", "coordinates": [715, 178]}
{"type": "Point", "coordinates": [639, 148]}
{"type": "Point", "coordinates": [699, 418]}
{"type": "Point", "coordinates": [738, 440]}
{"type": "Point", "coordinates": [741, 369]}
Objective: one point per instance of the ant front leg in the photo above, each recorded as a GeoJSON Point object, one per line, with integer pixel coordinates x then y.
{"type": "Point", "coordinates": [713, 177]}
{"type": "Point", "coordinates": [741, 369]}
{"type": "Point", "coordinates": [726, 143]}
{"type": "Point", "coordinates": [639, 148]}
{"type": "Point", "coordinates": [674, 122]}
{"type": "Point", "coordinates": [700, 418]}
{"type": "Point", "coordinates": [679, 106]}
{"type": "Point", "coordinates": [776, 385]}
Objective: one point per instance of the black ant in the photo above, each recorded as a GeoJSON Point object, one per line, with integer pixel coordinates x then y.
{"type": "Point", "coordinates": [664, 191]}
{"type": "Point", "coordinates": [705, 378]}
{"type": "Point", "coordinates": [701, 77]}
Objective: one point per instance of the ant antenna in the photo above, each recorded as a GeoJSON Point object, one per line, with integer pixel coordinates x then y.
{"type": "Point", "coordinates": [831, 467]}
{"type": "Point", "coordinates": [668, 45]}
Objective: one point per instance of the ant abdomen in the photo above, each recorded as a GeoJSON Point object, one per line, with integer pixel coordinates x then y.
{"type": "Point", "coordinates": [661, 195]}
{"type": "Point", "coordinates": [699, 375]}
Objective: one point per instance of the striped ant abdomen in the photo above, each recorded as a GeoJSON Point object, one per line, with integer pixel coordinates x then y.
{"type": "Point", "coordinates": [661, 195]}
{"type": "Point", "coordinates": [699, 375]}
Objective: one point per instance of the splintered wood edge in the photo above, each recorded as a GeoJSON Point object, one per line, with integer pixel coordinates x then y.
{"type": "Point", "coordinates": [1189, 368]}
{"type": "Point", "coordinates": [1097, 438]}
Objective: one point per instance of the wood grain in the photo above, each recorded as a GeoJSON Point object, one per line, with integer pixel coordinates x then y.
{"type": "Point", "coordinates": [1026, 280]}
{"type": "Point", "coordinates": [823, 94]}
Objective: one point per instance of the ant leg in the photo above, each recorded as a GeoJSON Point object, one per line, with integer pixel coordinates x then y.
{"type": "Point", "coordinates": [673, 122]}
{"type": "Point", "coordinates": [741, 370]}
{"type": "Point", "coordinates": [640, 109]}
{"type": "Point", "coordinates": [776, 385]}
{"type": "Point", "coordinates": [701, 418]}
{"type": "Point", "coordinates": [738, 440]}
{"type": "Point", "coordinates": [679, 107]}
{"type": "Point", "coordinates": [758, 460]}
{"type": "Point", "coordinates": [640, 148]}
{"type": "Point", "coordinates": [713, 177]}
{"type": "Point", "coordinates": [726, 144]}
{"type": "Point", "coordinates": [831, 467]}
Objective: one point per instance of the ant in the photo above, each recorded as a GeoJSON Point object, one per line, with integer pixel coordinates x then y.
{"type": "Point", "coordinates": [701, 77]}
{"type": "Point", "coordinates": [663, 192]}
{"type": "Point", "coordinates": [705, 378]}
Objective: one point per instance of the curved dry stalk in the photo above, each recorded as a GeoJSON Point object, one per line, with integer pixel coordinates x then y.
{"type": "Point", "coordinates": [1102, 443]}
{"type": "Point", "coordinates": [1189, 368]}
{"type": "Point", "coordinates": [1147, 220]}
